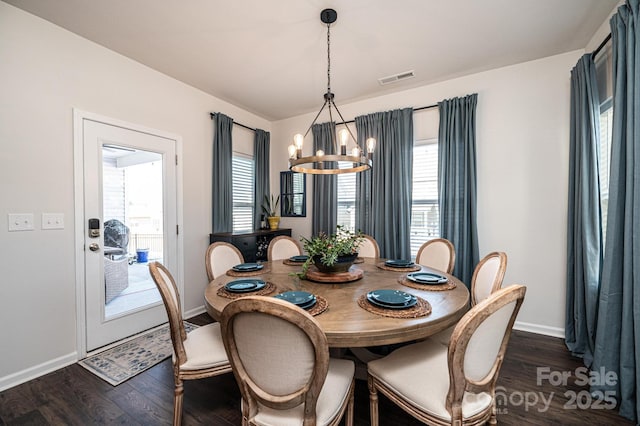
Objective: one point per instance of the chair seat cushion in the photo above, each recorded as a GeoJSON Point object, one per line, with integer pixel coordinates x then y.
{"type": "Point", "coordinates": [204, 348]}
{"type": "Point", "coordinates": [332, 398]}
{"type": "Point", "coordinates": [444, 336]}
{"type": "Point", "coordinates": [419, 374]}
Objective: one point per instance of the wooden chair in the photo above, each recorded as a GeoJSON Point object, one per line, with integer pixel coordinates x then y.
{"type": "Point", "coordinates": [369, 247]}
{"type": "Point", "coordinates": [486, 280]}
{"type": "Point", "coordinates": [487, 276]}
{"type": "Point", "coordinates": [221, 257]}
{"type": "Point", "coordinates": [197, 354]}
{"type": "Point", "coordinates": [280, 359]}
{"type": "Point", "coordinates": [438, 253]}
{"type": "Point", "coordinates": [452, 385]}
{"type": "Point", "coordinates": [283, 247]}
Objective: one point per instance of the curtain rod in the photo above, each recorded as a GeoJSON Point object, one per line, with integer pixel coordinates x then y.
{"type": "Point", "coordinates": [415, 109]}
{"type": "Point", "coordinates": [337, 124]}
{"type": "Point", "coordinates": [213, 114]}
{"type": "Point", "coordinates": [599, 48]}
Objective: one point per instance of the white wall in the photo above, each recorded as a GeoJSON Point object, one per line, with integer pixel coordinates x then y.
{"type": "Point", "coordinates": [522, 158]}
{"type": "Point", "coordinates": [45, 72]}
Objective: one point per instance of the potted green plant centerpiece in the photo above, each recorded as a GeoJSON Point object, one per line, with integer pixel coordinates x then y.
{"type": "Point", "coordinates": [332, 253]}
{"type": "Point", "coordinates": [270, 208]}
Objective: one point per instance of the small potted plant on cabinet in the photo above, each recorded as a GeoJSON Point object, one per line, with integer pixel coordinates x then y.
{"type": "Point", "coordinates": [270, 208]}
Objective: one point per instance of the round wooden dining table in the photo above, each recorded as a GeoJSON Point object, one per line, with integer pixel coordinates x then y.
{"type": "Point", "coordinates": [344, 322]}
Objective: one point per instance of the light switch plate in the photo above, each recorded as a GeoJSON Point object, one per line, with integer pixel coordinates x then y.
{"type": "Point", "coordinates": [20, 221]}
{"type": "Point", "coordinates": [52, 220]}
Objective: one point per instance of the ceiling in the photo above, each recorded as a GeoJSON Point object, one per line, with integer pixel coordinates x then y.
{"type": "Point", "coordinates": [270, 57]}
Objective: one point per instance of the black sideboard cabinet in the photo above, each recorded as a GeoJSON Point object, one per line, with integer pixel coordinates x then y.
{"type": "Point", "coordinates": [253, 245]}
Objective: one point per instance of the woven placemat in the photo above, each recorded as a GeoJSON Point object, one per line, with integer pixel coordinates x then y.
{"type": "Point", "coordinates": [233, 273]}
{"type": "Point", "coordinates": [292, 263]}
{"type": "Point", "coordinates": [359, 260]}
{"type": "Point", "coordinates": [320, 306]}
{"type": "Point", "coordinates": [421, 309]}
{"type": "Point", "coordinates": [264, 291]}
{"type": "Point", "coordinates": [450, 285]}
{"type": "Point", "coordinates": [411, 268]}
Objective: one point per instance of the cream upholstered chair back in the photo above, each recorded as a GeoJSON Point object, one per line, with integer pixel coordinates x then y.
{"type": "Point", "coordinates": [283, 247]}
{"type": "Point", "coordinates": [169, 292]}
{"type": "Point", "coordinates": [369, 247]}
{"type": "Point", "coordinates": [221, 257]}
{"type": "Point", "coordinates": [438, 253]}
{"type": "Point", "coordinates": [280, 358]}
{"type": "Point", "coordinates": [272, 349]}
{"type": "Point", "coordinates": [478, 344]}
{"type": "Point", "coordinates": [488, 276]}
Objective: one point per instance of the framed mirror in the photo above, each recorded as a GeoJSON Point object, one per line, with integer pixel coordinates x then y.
{"type": "Point", "coordinates": [293, 197]}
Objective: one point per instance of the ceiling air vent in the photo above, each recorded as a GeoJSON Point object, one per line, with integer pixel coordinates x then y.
{"type": "Point", "coordinates": [396, 77]}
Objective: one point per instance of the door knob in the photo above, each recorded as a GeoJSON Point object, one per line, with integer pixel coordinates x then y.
{"type": "Point", "coordinates": [94, 247]}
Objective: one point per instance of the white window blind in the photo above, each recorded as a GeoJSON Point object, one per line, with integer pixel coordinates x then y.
{"type": "Point", "coordinates": [425, 212]}
{"type": "Point", "coordinates": [604, 152]}
{"type": "Point", "coordinates": [243, 187]}
{"type": "Point", "coordinates": [347, 198]}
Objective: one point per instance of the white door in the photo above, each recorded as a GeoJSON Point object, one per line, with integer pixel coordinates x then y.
{"type": "Point", "coordinates": [130, 219]}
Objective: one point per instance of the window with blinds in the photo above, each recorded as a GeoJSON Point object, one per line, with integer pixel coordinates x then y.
{"type": "Point", "coordinates": [425, 211]}
{"type": "Point", "coordinates": [347, 198]}
{"type": "Point", "coordinates": [243, 185]}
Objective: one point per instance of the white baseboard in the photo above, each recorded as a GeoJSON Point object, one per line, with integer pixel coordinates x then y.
{"type": "Point", "coordinates": [539, 329]}
{"type": "Point", "coordinates": [193, 312]}
{"type": "Point", "coordinates": [31, 373]}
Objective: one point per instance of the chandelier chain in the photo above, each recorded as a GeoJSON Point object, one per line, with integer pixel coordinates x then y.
{"type": "Point", "coordinates": [328, 58]}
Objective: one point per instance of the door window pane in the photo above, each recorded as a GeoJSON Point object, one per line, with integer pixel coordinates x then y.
{"type": "Point", "coordinates": [133, 227]}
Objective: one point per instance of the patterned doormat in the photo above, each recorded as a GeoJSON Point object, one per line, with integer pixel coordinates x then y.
{"type": "Point", "coordinates": [124, 361]}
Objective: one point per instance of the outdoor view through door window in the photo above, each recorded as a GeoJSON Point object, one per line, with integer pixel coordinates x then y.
{"type": "Point", "coordinates": [133, 227]}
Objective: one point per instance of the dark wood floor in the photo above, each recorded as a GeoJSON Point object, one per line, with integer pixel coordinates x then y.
{"type": "Point", "coordinates": [73, 396]}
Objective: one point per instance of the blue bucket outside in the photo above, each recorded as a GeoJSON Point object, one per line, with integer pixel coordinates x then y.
{"type": "Point", "coordinates": [142, 255]}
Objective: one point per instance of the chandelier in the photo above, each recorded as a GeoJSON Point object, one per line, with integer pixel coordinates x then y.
{"type": "Point", "coordinates": [330, 163]}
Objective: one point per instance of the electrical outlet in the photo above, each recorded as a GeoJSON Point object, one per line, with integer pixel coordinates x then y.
{"type": "Point", "coordinates": [52, 220]}
{"type": "Point", "coordinates": [20, 221]}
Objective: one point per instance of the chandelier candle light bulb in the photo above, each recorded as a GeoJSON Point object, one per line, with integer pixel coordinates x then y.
{"type": "Point", "coordinates": [344, 137]}
{"type": "Point", "coordinates": [371, 146]}
{"type": "Point", "coordinates": [298, 139]}
{"type": "Point", "coordinates": [292, 151]}
{"type": "Point", "coordinates": [320, 153]}
{"type": "Point", "coordinates": [355, 153]}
